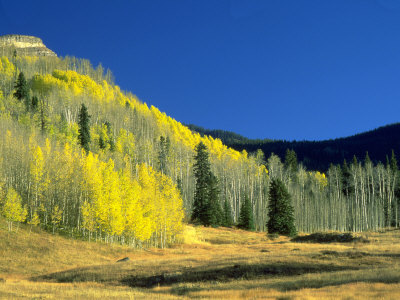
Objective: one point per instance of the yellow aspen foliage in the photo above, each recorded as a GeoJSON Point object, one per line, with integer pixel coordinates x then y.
{"type": "Point", "coordinates": [104, 136]}
{"type": "Point", "coordinates": [47, 148]}
{"type": "Point", "coordinates": [125, 143]}
{"type": "Point", "coordinates": [162, 204]}
{"type": "Point", "coordinates": [136, 224]}
{"type": "Point", "coordinates": [111, 218]}
{"type": "Point", "coordinates": [88, 217]}
{"type": "Point", "coordinates": [148, 193]}
{"type": "Point", "coordinates": [321, 179]}
{"type": "Point", "coordinates": [7, 69]}
{"type": "Point", "coordinates": [169, 214]}
{"type": "Point", "coordinates": [29, 60]}
{"type": "Point", "coordinates": [36, 172]}
{"type": "Point", "coordinates": [119, 205]}
{"type": "Point", "coordinates": [56, 216]}
{"type": "Point", "coordinates": [12, 208]}
{"type": "Point", "coordinates": [78, 84]}
{"type": "Point", "coordinates": [8, 137]}
{"type": "Point", "coordinates": [34, 220]}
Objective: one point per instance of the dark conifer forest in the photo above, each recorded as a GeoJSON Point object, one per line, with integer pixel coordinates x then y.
{"type": "Point", "coordinates": [318, 155]}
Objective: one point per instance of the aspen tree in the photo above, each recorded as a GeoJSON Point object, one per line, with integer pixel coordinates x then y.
{"type": "Point", "coordinates": [12, 208]}
{"type": "Point", "coordinates": [34, 220]}
{"type": "Point", "coordinates": [56, 217]}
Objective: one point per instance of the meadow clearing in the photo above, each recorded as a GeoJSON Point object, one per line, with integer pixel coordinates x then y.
{"type": "Point", "coordinates": [209, 263]}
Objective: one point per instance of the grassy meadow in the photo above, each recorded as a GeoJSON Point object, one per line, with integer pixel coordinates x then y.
{"type": "Point", "coordinates": [209, 264]}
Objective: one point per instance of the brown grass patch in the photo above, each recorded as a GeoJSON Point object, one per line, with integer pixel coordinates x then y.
{"type": "Point", "coordinates": [209, 263]}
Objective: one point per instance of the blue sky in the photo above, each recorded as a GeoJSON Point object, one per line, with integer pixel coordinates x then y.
{"type": "Point", "coordinates": [301, 69]}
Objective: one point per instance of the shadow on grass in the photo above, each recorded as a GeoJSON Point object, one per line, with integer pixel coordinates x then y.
{"type": "Point", "coordinates": [133, 278]}
{"type": "Point", "coordinates": [226, 274]}
{"type": "Point", "coordinates": [321, 280]}
{"type": "Point", "coordinates": [101, 273]}
{"type": "Point", "coordinates": [321, 237]}
{"type": "Point", "coordinates": [357, 254]}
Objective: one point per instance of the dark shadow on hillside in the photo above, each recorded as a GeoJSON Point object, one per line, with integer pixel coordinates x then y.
{"type": "Point", "coordinates": [133, 277]}
{"type": "Point", "coordinates": [295, 283]}
{"type": "Point", "coordinates": [229, 273]}
{"type": "Point", "coordinates": [321, 237]}
{"type": "Point", "coordinates": [101, 273]}
{"type": "Point", "coordinates": [356, 254]}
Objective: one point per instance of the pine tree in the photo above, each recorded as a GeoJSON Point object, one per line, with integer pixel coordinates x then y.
{"type": "Point", "coordinates": [206, 206]}
{"type": "Point", "coordinates": [291, 164]}
{"type": "Point", "coordinates": [163, 151]}
{"type": "Point", "coordinates": [346, 179]}
{"type": "Point", "coordinates": [280, 210]}
{"type": "Point", "coordinates": [214, 210]}
{"type": "Point", "coordinates": [246, 218]}
{"type": "Point", "coordinates": [393, 163]}
{"type": "Point", "coordinates": [106, 140]}
{"type": "Point", "coordinates": [367, 160]}
{"type": "Point", "coordinates": [179, 185]}
{"type": "Point", "coordinates": [34, 103]}
{"type": "Point", "coordinates": [21, 88]}
{"type": "Point", "coordinates": [227, 220]}
{"type": "Point", "coordinates": [202, 172]}
{"type": "Point", "coordinates": [84, 128]}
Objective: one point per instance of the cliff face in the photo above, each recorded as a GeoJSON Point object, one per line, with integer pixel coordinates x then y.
{"type": "Point", "coordinates": [25, 45]}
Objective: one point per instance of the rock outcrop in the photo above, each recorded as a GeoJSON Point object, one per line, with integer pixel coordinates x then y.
{"type": "Point", "coordinates": [24, 45]}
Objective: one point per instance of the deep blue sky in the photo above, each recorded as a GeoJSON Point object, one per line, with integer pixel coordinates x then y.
{"type": "Point", "coordinates": [280, 69]}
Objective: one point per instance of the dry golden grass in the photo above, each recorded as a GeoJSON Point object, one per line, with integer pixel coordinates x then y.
{"type": "Point", "coordinates": [210, 263]}
{"type": "Point", "coordinates": [33, 253]}
{"type": "Point", "coordinates": [23, 289]}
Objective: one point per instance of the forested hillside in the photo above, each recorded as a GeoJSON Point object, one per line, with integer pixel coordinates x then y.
{"type": "Point", "coordinates": [81, 156]}
{"type": "Point", "coordinates": [318, 155]}
{"type": "Point", "coordinates": [136, 181]}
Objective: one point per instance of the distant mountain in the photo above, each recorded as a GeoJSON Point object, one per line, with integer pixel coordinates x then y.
{"type": "Point", "coordinates": [318, 155]}
{"type": "Point", "coordinates": [24, 45]}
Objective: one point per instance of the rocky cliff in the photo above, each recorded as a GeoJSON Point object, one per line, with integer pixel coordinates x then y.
{"type": "Point", "coordinates": [24, 45]}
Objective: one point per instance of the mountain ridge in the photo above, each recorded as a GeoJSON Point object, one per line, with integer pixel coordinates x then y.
{"type": "Point", "coordinates": [318, 155]}
{"type": "Point", "coordinates": [24, 45]}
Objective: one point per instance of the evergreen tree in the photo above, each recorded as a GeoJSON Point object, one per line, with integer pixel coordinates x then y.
{"type": "Point", "coordinates": [246, 218]}
{"type": "Point", "coordinates": [393, 163]}
{"type": "Point", "coordinates": [206, 206]}
{"type": "Point", "coordinates": [214, 210]}
{"type": "Point", "coordinates": [202, 172]}
{"type": "Point", "coordinates": [346, 179]}
{"type": "Point", "coordinates": [84, 128]}
{"type": "Point", "coordinates": [21, 88]}
{"type": "Point", "coordinates": [280, 210]}
{"type": "Point", "coordinates": [179, 185]}
{"type": "Point", "coordinates": [106, 140]}
{"type": "Point", "coordinates": [110, 139]}
{"type": "Point", "coordinates": [355, 161]}
{"type": "Point", "coordinates": [102, 143]}
{"type": "Point", "coordinates": [291, 164]}
{"type": "Point", "coordinates": [34, 103]}
{"type": "Point", "coordinates": [227, 219]}
{"type": "Point", "coordinates": [163, 151]}
{"type": "Point", "coordinates": [367, 160]}
{"type": "Point", "coordinates": [43, 116]}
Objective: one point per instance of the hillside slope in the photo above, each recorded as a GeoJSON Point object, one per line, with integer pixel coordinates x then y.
{"type": "Point", "coordinates": [134, 181]}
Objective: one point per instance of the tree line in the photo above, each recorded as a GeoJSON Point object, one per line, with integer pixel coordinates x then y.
{"type": "Point", "coordinates": [119, 133]}
{"type": "Point", "coordinates": [318, 155]}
